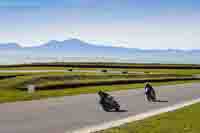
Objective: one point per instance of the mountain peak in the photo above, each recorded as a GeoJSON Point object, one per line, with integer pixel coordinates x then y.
{"type": "Point", "coordinates": [53, 41]}
{"type": "Point", "coordinates": [74, 40]}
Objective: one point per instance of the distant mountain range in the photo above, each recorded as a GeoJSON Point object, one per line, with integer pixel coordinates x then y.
{"type": "Point", "coordinates": [77, 50]}
{"type": "Point", "coordinates": [75, 46]}
{"type": "Point", "coordinates": [65, 50]}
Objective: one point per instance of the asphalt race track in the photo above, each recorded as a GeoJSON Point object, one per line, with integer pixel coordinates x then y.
{"type": "Point", "coordinates": [65, 114]}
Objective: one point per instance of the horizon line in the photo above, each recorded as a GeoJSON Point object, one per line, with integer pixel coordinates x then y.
{"type": "Point", "coordinates": [97, 44]}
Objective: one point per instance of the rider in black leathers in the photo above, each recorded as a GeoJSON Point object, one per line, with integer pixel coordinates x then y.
{"type": "Point", "coordinates": [103, 94]}
{"type": "Point", "coordinates": [150, 92]}
{"type": "Point", "coordinates": [108, 102]}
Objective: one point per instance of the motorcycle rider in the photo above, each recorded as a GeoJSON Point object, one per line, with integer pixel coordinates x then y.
{"type": "Point", "coordinates": [103, 94]}
{"type": "Point", "coordinates": [108, 102]}
{"type": "Point", "coordinates": [148, 91]}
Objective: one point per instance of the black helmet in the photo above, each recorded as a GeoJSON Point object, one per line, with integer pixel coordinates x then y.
{"type": "Point", "coordinates": [147, 84]}
{"type": "Point", "coordinates": [100, 92]}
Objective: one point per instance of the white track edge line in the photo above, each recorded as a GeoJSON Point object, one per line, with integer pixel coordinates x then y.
{"type": "Point", "coordinates": [137, 117]}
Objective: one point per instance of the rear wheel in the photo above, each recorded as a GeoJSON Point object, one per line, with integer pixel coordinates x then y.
{"type": "Point", "coordinates": [117, 109]}
{"type": "Point", "coordinates": [153, 96]}
{"type": "Point", "coordinates": [106, 109]}
{"type": "Point", "coordinates": [148, 97]}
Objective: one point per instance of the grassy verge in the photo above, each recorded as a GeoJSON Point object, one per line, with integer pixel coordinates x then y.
{"type": "Point", "coordinates": [104, 65]}
{"type": "Point", "coordinates": [54, 81]}
{"type": "Point", "coordinates": [51, 78]}
{"type": "Point", "coordinates": [82, 83]}
{"type": "Point", "coordinates": [32, 68]}
{"type": "Point", "coordinates": [145, 70]}
{"type": "Point", "coordinates": [9, 94]}
{"type": "Point", "coordinates": [51, 73]}
{"type": "Point", "coordinates": [181, 121]}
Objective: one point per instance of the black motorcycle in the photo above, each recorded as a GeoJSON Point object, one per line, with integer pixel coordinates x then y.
{"type": "Point", "coordinates": [151, 95]}
{"type": "Point", "coordinates": [108, 102]}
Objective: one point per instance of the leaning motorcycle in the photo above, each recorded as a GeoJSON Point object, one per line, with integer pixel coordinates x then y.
{"type": "Point", "coordinates": [109, 104]}
{"type": "Point", "coordinates": [151, 96]}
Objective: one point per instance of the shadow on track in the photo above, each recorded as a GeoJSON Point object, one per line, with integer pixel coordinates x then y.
{"type": "Point", "coordinates": [161, 101]}
{"type": "Point", "coordinates": [121, 110]}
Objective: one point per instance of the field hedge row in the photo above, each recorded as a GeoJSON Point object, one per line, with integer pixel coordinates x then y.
{"type": "Point", "coordinates": [113, 82]}
{"type": "Point", "coordinates": [108, 65]}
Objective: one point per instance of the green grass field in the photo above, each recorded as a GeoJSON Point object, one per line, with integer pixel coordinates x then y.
{"type": "Point", "coordinates": [146, 70]}
{"type": "Point", "coordinates": [58, 78]}
{"type": "Point", "coordinates": [32, 68]}
{"type": "Point", "coordinates": [184, 120]}
{"type": "Point", "coordinates": [10, 94]}
{"type": "Point", "coordinates": [9, 87]}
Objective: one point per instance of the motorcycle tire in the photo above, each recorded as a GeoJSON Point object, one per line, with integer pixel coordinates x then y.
{"type": "Point", "coordinates": [117, 109]}
{"type": "Point", "coordinates": [153, 96]}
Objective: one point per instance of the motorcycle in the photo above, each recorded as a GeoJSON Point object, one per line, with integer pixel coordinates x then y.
{"type": "Point", "coordinates": [108, 102]}
{"type": "Point", "coordinates": [151, 96]}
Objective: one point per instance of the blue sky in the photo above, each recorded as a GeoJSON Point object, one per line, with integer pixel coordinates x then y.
{"type": "Point", "coordinates": [128, 23]}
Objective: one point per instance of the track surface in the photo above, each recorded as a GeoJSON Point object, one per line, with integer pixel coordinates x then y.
{"type": "Point", "coordinates": [65, 114]}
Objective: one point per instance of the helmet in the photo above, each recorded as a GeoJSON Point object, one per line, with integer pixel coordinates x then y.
{"type": "Point", "coordinates": [100, 92]}
{"type": "Point", "coordinates": [147, 84]}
